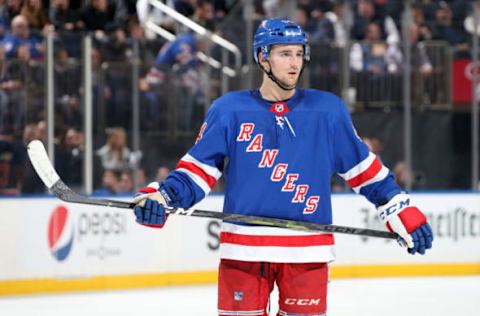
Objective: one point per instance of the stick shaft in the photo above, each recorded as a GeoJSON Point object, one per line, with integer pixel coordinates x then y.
{"type": "Point", "coordinates": [63, 192]}
{"type": "Point", "coordinates": [50, 178]}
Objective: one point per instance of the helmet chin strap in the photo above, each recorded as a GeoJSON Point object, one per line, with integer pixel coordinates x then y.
{"type": "Point", "coordinates": [275, 79]}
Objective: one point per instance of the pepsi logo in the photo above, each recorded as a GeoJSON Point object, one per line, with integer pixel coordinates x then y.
{"type": "Point", "coordinates": [60, 233]}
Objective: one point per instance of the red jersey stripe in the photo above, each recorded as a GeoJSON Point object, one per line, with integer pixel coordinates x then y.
{"type": "Point", "coordinates": [368, 174]}
{"type": "Point", "coordinates": [277, 241]}
{"type": "Point", "coordinates": [190, 166]}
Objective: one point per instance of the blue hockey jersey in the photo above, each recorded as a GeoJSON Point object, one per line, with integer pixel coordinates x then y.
{"type": "Point", "coordinates": [278, 159]}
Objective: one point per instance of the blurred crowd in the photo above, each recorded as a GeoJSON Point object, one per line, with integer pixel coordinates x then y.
{"type": "Point", "coordinates": [171, 77]}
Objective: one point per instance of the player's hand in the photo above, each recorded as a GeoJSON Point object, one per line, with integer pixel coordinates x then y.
{"type": "Point", "coordinates": [408, 222]}
{"type": "Point", "coordinates": [150, 205]}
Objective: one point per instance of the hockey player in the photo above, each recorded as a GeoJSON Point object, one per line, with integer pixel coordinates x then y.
{"type": "Point", "coordinates": [283, 144]}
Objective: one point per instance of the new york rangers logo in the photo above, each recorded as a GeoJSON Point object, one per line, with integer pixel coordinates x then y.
{"type": "Point", "coordinates": [60, 233]}
{"type": "Point", "coordinates": [238, 296]}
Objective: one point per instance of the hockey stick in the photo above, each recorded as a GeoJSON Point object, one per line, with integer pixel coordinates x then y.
{"type": "Point", "coordinates": [46, 172]}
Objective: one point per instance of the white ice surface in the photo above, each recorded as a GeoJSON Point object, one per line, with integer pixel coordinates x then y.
{"type": "Point", "coordinates": [446, 296]}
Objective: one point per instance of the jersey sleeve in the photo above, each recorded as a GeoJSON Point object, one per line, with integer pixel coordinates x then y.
{"type": "Point", "coordinates": [9, 46]}
{"type": "Point", "coordinates": [197, 172]}
{"type": "Point", "coordinates": [166, 55]}
{"type": "Point", "coordinates": [359, 167]}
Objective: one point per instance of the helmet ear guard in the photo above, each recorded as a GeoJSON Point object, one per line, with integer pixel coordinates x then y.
{"type": "Point", "coordinates": [306, 53]}
{"type": "Point", "coordinates": [265, 50]}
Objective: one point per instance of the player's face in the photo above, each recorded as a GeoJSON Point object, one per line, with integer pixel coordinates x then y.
{"type": "Point", "coordinates": [286, 62]}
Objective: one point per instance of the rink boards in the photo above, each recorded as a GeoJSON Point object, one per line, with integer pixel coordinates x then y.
{"type": "Point", "coordinates": [47, 245]}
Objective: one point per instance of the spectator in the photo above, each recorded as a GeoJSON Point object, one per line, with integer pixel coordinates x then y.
{"type": "Point", "coordinates": [109, 184]}
{"type": "Point", "coordinates": [339, 185]}
{"type": "Point", "coordinates": [4, 20]}
{"type": "Point", "coordinates": [324, 30]}
{"type": "Point", "coordinates": [62, 16]}
{"type": "Point", "coordinates": [339, 21]}
{"type": "Point", "coordinates": [67, 81]}
{"type": "Point", "coordinates": [420, 59]}
{"type": "Point", "coordinates": [422, 69]}
{"type": "Point", "coordinates": [366, 14]}
{"type": "Point", "coordinates": [138, 33]}
{"type": "Point", "coordinates": [131, 8]}
{"type": "Point", "coordinates": [425, 33]}
{"type": "Point", "coordinates": [367, 142]}
{"type": "Point", "coordinates": [259, 11]}
{"type": "Point", "coordinates": [181, 52]}
{"type": "Point", "coordinates": [460, 10]}
{"type": "Point", "coordinates": [66, 21]}
{"type": "Point", "coordinates": [31, 183]}
{"type": "Point", "coordinates": [116, 107]}
{"type": "Point", "coordinates": [220, 9]}
{"type": "Point", "coordinates": [33, 11]}
{"type": "Point", "coordinates": [101, 90]}
{"type": "Point", "coordinates": [71, 111]}
{"type": "Point", "coordinates": [20, 38]}
{"type": "Point", "coordinates": [4, 106]}
{"type": "Point", "coordinates": [185, 7]}
{"type": "Point", "coordinates": [372, 55]}
{"type": "Point", "coordinates": [279, 8]}
{"type": "Point", "coordinates": [204, 14]}
{"type": "Point", "coordinates": [324, 72]}
{"type": "Point", "coordinates": [394, 9]}
{"type": "Point", "coordinates": [103, 16]}
{"type": "Point", "coordinates": [445, 30]}
{"type": "Point", "coordinates": [70, 156]}
{"type": "Point", "coordinates": [140, 178]}
{"type": "Point", "coordinates": [304, 19]}
{"type": "Point", "coordinates": [376, 146]}
{"type": "Point", "coordinates": [179, 55]}
{"type": "Point", "coordinates": [125, 184]}
{"type": "Point", "coordinates": [42, 131]}
{"type": "Point", "coordinates": [14, 7]}
{"type": "Point", "coordinates": [376, 70]}
{"type": "Point", "coordinates": [401, 174]}
{"type": "Point", "coordinates": [30, 132]}
{"type": "Point", "coordinates": [116, 48]}
{"type": "Point", "coordinates": [12, 94]}
{"type": "Point", "coordinates": [12, 161]}
{"type": "Point", "coordinates": [162, 173]}
{"type": "Point", "coordinates": [115, 155]}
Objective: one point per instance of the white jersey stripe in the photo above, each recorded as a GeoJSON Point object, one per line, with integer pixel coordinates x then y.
{"type": "Point", "coordinates": [322, 253]}
{"type": "Point", "coordinates": [211, 171]}
{"type": "Point", "coordinates": [359, 168]}
{"type": "Point", "coordinates": [264, 231]}
{"type": "Point", "coordinates": [197, 179]}
{"type": "Point", "coordinates": [278, 254]}
{"type": "Point", "coordinates": [382, 174]}
{"type": "Point", "coordinates": [283, 313]}
{"type": "Point", "coordinates": [253, 312]}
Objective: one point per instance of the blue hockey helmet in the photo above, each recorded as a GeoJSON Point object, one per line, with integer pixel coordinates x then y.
{"type": "Point", "coordinates": [279, 31]}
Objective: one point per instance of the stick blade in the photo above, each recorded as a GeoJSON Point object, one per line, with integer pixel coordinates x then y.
{"type": "Point", "coordinates": [41, 163]}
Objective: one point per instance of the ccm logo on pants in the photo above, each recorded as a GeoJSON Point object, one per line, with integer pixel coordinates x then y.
{"type": "Point", "coordinates": [302, 301]}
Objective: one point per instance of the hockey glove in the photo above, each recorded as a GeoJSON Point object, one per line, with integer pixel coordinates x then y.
{"type": "Point", "coordinates": [408, 222]}
{"type": "Point", "coordinates": [150, 205]}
